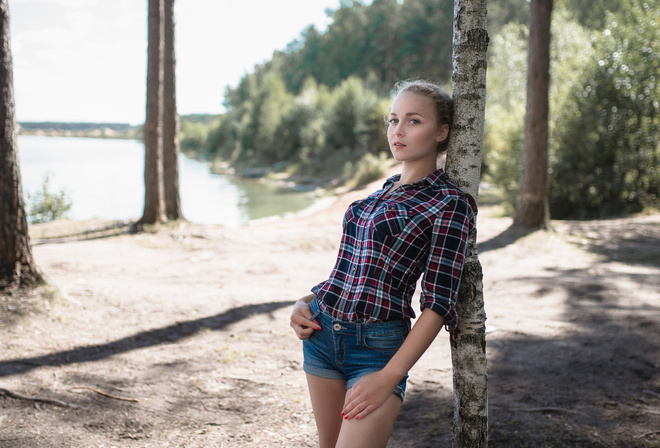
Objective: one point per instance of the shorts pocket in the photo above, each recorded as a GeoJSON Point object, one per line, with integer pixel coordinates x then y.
{"type": "Point", "coordinates": [384, 342]}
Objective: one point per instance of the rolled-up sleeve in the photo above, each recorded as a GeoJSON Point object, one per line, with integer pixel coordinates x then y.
{"type": "Point", "coordinates": [444, 267]}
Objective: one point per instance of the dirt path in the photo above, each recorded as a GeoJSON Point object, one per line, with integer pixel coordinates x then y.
{"type": "Point", "coordinates": [181, 338]}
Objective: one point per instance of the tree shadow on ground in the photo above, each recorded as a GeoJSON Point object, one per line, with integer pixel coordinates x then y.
{"type": "Point", "coordinates": [633, 241]}
{"type": "Point", "coordinates": [109, 230]}
{"type": "Point", "coordinates": [595, 384]}
{"type": "Point", "coordinates": [506, 238]}
{"type": "Point", "coordinates": [169, 334]}
{"type": "Point", "coordinates": [426, 417]}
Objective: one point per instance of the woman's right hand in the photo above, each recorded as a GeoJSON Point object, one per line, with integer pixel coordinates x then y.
{"type": "Point", "coordinates": [300, 320]}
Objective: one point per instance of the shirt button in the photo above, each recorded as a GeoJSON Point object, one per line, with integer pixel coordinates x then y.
{"type": "Point", "coordinates": [336, 327]}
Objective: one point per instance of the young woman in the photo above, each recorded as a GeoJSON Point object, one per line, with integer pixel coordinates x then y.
{"type": "Point", "coordinates": [358, 343]}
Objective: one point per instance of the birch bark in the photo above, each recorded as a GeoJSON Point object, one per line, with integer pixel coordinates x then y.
{"type": "Point", "coordinates": [463, 166]}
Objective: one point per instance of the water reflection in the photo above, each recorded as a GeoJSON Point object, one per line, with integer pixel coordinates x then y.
{"type": "Point", "coordinates": [105, 179]}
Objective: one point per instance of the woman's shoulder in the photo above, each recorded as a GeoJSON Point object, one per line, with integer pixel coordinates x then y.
{"type": "Point", "coordinates": [445, 188]}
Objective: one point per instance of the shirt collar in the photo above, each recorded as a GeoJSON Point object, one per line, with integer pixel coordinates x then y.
{"type": "Point", "coordinates": [434, 179]}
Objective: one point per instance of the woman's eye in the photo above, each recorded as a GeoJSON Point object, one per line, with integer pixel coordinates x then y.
{"type": "Point", "coordinates": [393, 121]}
{"type": "Point", "coordinates": [413, 121]}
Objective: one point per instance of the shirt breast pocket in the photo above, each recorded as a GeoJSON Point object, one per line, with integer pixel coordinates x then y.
{"type": "Point", "coordinates": [390, 221]}
{"type": "Point", "coordinates": [352, 213]}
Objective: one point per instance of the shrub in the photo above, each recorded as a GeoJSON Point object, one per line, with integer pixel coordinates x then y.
{"type": "Point", "coordinates": [45, 206]}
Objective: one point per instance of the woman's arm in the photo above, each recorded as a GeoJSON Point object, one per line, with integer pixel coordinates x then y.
{"type": "Point", "coordinates": [372, 390]}
{"type": "Point", "coordinates": [300, 318]}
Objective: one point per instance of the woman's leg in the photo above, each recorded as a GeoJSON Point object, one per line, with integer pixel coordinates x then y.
{"type": "Point", "coordinates": [327, 402]}
{"type": "Point", "coordinates": [372, 431]}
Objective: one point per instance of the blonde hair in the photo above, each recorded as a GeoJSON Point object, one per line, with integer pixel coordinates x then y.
{"type": "Point", "coordinates": [444, 106]}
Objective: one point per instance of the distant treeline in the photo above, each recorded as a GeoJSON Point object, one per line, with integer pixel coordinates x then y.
{"type": "Point", "coordinates": [96, 130]}
{"type": "Point", "coordinates": [89, 130]}
{"type": "Point", "coordinates": [58, 126]}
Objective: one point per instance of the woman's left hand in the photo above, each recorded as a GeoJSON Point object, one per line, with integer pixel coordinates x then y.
{"type": "Point", "coordinates": [369, 393]}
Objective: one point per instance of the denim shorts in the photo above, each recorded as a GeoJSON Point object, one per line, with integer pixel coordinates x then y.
{"type": "Point", "coordinates": [349, 350]}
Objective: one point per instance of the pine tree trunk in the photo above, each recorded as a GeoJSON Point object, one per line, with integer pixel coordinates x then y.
{"type": "Point", "coordinates": [532, 211]}
{"type": "Point", "coordinates": [154, 210]}
{"type": "Point", "coordinates": [170, 120]}
{"type": "Point", "coordinates": [17, 266]}
{"type": "Point", "coordinates": [468, 342]}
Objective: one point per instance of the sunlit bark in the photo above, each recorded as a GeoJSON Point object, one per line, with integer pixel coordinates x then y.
{"type": "Point", "coordinates": [468, 342]}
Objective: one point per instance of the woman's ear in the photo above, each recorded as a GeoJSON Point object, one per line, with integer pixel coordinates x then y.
{"type": "Point", "coordinates": [443, 132]}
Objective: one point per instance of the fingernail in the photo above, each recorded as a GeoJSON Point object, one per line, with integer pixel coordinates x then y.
{"type": "Point", "coordinates": [343, 413]}
{"type": "Point", "coordinates": [357, 418]}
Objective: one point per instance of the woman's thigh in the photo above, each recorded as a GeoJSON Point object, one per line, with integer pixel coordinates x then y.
{"type": "Point", "coordinates": [372, 431]}
{"type": "Point", "coordinates": [327, 396]}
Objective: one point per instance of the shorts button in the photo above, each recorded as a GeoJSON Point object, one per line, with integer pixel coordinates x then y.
{"type": "Point", "coordinates": [336, 327]}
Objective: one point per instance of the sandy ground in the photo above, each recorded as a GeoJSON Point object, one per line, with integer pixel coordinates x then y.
{"type": "Point", "coordinates": [181, 339]}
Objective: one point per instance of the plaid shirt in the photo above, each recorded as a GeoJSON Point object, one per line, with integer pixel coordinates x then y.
{"type": "Point", "coordinates": [389, 241]}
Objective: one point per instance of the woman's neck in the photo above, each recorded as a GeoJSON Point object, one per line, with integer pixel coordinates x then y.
{"type": "Point", "coordinates": [413, 172]}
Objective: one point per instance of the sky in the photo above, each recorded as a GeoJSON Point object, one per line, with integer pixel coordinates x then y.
{"type": "Point", "coordinates": [86, 60]}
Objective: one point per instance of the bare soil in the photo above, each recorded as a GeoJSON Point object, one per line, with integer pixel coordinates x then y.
{"type": "Point", "coordinates": [180, 337]}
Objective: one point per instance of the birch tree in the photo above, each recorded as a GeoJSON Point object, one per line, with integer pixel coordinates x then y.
{"type": "Point", "coordinates": [468, 341]}
{"type": "Point", "coordinates": [17, 266]}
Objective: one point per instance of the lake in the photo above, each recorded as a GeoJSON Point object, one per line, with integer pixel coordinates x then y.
{"type": "Point", "coordinates": [104, 178]}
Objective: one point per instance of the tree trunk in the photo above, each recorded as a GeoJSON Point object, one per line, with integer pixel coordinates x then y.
{"type": "Point", "coordinates": [17, 266]}
{"type": "Point", "coordinates": [468, 341]}
{"type": "Point", "coordinates": [153, 141]}
{"type": "Point", "coordinates": [170, 120]}
{"type": "Point", "coordinates": [532, 211]}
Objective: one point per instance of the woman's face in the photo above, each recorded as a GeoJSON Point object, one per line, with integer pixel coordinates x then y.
{"type": "Point", "coordinates": [413, 131]}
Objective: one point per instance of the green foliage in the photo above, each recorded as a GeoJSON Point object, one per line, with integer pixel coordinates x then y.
{"type": "Point", "coordinates": [603, 113]}
{"type": "Point", "coordinates": [193, 135]}
{"type": "Point", "coordinates": [354, 118]}
{"type": "Point", "coordinates": [387, 40]}
{"type": "Point", "coordinates": [505, 110]}
{"type": "Point", "coordinates": [607, 162]}
{"type": "Point", "coordinates": [507, 95]}
{"type": "Point", "coordinates": [593, 15]}
{"type": "Point", "coordinates": [47, 206]}
{"type": "Point", "coordinates": [503, 12]}
{"type": "Point", "coordinates": [315, 132]}
{"type": "Point", "coordinates": [367, 169]}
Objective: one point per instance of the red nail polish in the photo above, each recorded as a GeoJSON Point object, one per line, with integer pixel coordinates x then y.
{"type": "Point", "coordinates": [342, 414]}
{"type": "Point", "coordinates": [357, 418]}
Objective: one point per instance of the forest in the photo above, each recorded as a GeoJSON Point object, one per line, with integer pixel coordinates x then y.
{"type": "Point", "coordinates": [315, 110]}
